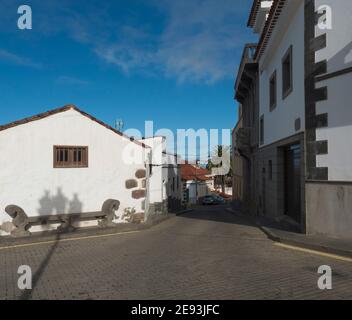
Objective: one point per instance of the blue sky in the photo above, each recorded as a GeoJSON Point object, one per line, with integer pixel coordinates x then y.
{"type": "Point", "coordinates": [172, 62]}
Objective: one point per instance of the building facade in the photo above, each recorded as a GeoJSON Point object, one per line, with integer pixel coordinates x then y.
{"type": "Point", "coordinates": [65, 161]}
{"type": "Point", "coordinates": [245, 135]}
{"type": "Point", "coordinates": [303, 168]}
{"type": "Point", "coordinates": [165, 192]}
{"type": "Point", "coordinates": [237, 162]}
{"type": "Point", "coordinates": [197, 182]}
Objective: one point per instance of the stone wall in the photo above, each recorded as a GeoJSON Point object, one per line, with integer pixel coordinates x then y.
{"type": "Point", "coordinates": [270, 188]}
{"type": "Point", "coordinates": [329, 209]}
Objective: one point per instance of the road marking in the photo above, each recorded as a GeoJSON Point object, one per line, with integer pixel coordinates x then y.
{"type": "Point", "coordinates": [66, 240]}
{"type": "Point", "coordinates": [319, 253]}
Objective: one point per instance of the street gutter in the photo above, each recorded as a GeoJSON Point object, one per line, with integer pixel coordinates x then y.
{"type": "Point", "coordinates": [322, 244]}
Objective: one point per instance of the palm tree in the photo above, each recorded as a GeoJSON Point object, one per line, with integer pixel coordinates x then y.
{"type": "Point", "coordinates": [220, 163]}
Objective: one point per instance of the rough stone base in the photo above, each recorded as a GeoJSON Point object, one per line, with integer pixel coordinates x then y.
{"type": "Point", "coordinates": [329, 209]}
{"type": "Point", "coordinates": [7, 227]}
{"type": "Point", "coordinates": [174, 204]}
{"type": "Point", "coordinates": [158, 207]}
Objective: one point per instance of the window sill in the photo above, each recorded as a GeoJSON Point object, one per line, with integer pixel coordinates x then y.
{"type": "Point", "coordinates": [287, 93]}
{"type": "Point", "coordinates": [70, 167]}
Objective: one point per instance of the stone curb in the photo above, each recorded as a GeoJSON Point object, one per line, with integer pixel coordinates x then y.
{"type": "Point", "coordinates": [270, 233]}
{"type": "Point", "coordinates": [305, 244]}
{"type": "Point", "coordinates": [6, 241]}
{"type": "Point", "coordinates": [184, 212]}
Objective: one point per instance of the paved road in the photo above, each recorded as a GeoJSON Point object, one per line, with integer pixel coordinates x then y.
{"type": "Point", "coordinates": [206, 254]}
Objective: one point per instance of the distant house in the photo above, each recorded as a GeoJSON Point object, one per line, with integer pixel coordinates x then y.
{"type": "Point", "coordinates": [65, 161]}
{"type": "Point", "coordinates": [197, 183]}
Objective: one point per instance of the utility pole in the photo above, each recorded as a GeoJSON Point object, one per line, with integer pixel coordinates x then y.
{"type": "Point", "coordinates": [119, 125]}
{"type": "Point", "coordinates": [197, 161]}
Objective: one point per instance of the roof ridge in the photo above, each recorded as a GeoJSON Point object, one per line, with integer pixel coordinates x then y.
{"type": "Point", "coordinates": [65, 108]}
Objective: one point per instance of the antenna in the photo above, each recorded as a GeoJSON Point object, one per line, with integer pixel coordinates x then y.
{"type": "Point", "coordinates": [119, 124]}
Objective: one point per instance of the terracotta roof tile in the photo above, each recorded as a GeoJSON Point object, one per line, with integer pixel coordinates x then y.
{"type": "Point", "coordinates": [269, 27]}
{"type": "Point", "coordinates": [191, 172]}
{"type": "Point", "coordinates": [253, 14]}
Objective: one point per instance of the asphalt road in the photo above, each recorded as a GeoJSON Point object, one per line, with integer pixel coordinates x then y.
{"type": "Point", "coordinates": [205, 254]}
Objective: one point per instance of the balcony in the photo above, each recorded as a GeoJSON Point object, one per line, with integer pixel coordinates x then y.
{"type": "Point", "coordinates": [246, 71]}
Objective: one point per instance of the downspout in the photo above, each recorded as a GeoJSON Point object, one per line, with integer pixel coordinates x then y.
{"type": "Point", "coordinates": [147, 185]}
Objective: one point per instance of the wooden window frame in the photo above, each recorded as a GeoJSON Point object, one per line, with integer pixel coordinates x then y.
{"type": "Point", "coordinates": [288, 55]}
{"type": "Point", "coordinates": [71, 164]}
{"type": "Point", "coordinates": [273, 95]}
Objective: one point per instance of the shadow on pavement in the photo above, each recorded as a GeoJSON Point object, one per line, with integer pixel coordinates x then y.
{"type": "Point", "coordinates": [27, 294]}
{"type": "Point", "coordinates": [217, 213]}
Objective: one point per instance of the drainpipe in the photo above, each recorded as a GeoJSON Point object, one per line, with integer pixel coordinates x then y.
{"type": "Point", "coordinates": [147, 185]}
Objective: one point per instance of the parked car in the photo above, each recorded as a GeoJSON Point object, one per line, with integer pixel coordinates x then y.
{"type": "Point", "coordinates": [219, 199]}
{"type": "Point", "coordinates": [212, 199]}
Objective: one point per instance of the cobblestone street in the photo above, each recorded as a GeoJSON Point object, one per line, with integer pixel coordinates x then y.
{"type": "Point", "coordinates": [205, 254]}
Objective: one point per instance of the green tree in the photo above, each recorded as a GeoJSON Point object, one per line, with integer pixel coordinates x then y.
{"type": "Point", "coordinates": [221, 151]}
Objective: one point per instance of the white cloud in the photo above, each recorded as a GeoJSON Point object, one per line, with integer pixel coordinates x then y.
{"type": "Point", "coordinates": [197, 43]}
{"type": "Point", "coordinates": [67, 80]}
{"type": "Point", "coordinates": [190, 41]}
{"type": "Point", "coordinates": [17, 60]}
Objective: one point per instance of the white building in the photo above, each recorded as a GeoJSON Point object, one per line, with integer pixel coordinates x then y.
{"type": "Point", "coordinates": [303, 163]}
{"type": "Point", "coordinates": [197, 182]}
{"type": "Point", "coordinates": [165, 172]}
{"type": "Point", "coordinates": [65, 161]}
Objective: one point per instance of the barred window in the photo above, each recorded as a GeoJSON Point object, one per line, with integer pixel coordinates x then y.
{"type": "Point", "coordinates": [287, 80]}
{"type": "Point", "coordinates": [272, 91]}
{"type": "Point", "coordinates": [70, 157]}
{"type": "Point", "coordinates": [261, 130]}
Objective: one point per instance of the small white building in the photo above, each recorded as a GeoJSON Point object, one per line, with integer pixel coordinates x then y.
{"type": "Point", "coordinates": [197, 183]}
{"type": "Point", "coordinates": [164, 171]}
{"type": "Point", "coordinates": [66, 162]}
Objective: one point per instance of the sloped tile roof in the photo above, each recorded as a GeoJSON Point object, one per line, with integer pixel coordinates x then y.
{"type": "Point", "coordinates": [64, 109]}
{"type": "Point", "coordinates": [253, 14]}
{"type": "Point", "coordinates": [191, 172]}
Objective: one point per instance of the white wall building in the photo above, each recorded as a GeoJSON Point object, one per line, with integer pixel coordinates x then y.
{"type": "Point", "coordinates": [165, 172]}
{"type": "Point", "coordinates": [66, 161]}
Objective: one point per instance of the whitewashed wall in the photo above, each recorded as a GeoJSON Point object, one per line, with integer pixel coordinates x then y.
{"type": "Point", "coordinates": [156, 190]}
{"type": "Point", "coordinates": [164, 182]}
{"type": "Point", "coordinates": [279, 123]}
{"type": "Point", "coordinates": [200, 188]}
{"type": "Point", "coordinates": [172, 174]}
{"type": "Point", "coordinates": [338, 51]}
{"type": "Point", "coordinates": [338, 54]}
{"type": "Point", "coordinates": [28, 179]}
